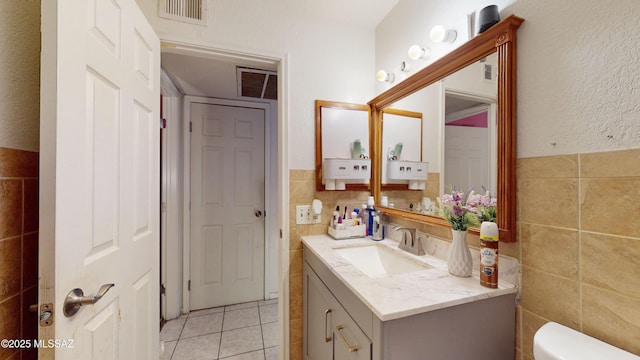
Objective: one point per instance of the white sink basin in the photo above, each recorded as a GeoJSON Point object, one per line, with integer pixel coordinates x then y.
{"type": "Point", "coordinates": [379, 261]}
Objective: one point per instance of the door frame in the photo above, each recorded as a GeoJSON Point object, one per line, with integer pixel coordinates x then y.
{"type": "Point", "coordinates": [281, 61]}
{"type": "Point", "coordinates": [186, 248]}
{"type": "Point", "coordinates": [171, 208]}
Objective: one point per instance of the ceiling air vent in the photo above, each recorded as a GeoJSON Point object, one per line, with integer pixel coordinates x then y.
{"type": "Point", "coordinates": [189, 11]}
{"type": "Point", "coordinates": [257, 84]}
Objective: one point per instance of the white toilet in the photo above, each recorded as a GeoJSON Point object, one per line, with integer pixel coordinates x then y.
{"type": "Point", "coordinates": [557, 342]}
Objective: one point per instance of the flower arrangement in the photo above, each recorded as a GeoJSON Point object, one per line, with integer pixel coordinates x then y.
{"type": "Point", "coordinates": [467, 209]}
{"type": "Point", "coordinates": [485, 205]}
{"type": "Point", "coordinates": [456, 208]}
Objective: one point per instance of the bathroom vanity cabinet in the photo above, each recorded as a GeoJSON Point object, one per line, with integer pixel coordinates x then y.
{"type": "Point", "coordinates": [330, 332]}
{"type": "Point", "coordinates": [339, 325]}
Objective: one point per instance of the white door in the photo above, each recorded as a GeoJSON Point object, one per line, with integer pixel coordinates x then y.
{"type": "Point", "coordinates": [227, 189]}
{"type": "Point", "coordinates": [466, 158]}
{"type": "Point", "coordinates": [99, 176]}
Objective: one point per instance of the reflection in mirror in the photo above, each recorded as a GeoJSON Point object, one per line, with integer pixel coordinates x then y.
{"type": "Point", "coordinates": [469, 144]}
{"type": "Point", "coordinates": [459, 138]}
{"type": "Point", "coordinates": [402, 155]}
{"type": "Point", "coordinates": [470, 132]}
{"type": "Point", "coordinates": [425, 103]}
{"type": "Point", "coordinates": [342, 146]}
{"type": "Point", "coordinates": [490, 59]}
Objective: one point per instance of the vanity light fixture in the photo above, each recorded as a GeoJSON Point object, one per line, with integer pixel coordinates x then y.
{"type": "Point", "coordinates": [418, 52]}
{"type": "Point", "coordinates": [439, 34]}
{"type": "Point", "coordinates": [382, 75]}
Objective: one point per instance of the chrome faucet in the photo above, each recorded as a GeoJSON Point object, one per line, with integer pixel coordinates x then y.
{"type": "Point", "coordinates": [410, 243]}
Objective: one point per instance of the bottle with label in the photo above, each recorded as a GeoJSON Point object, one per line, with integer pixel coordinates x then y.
{"type": "Point", "coordinates": [489, 254]}
{"type": "Point", "coordinates": [371, 212]}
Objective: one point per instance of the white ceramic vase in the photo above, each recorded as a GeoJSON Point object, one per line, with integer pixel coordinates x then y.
{"type": "Point", "coordinates": [460, 262]}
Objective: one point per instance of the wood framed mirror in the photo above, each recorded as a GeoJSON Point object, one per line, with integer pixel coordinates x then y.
{"type": "Point", "coordinates": [501, 40]}
{"type": "Point", "coordinates": [338, 126]}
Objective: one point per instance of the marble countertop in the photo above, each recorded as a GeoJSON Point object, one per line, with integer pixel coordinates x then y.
{"type": "Point", "coordinates": [407, 294]}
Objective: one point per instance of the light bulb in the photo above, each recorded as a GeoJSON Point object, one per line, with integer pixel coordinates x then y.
{"type": "Point", "coordinates": [382, 75]}
{"type": "Point", "coordinates": [418, 52]}
{"type": "Point", "coordinates": [440, 34]}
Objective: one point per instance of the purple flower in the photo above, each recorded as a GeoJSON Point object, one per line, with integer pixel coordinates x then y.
{"type": "Point", "coordinates": [461, 209]}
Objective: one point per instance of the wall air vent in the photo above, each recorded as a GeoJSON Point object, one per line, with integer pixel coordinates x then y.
{"type": "Point", "coordinates": [189, 11]}
{"type": "Point", "coordinates": [257, 84]}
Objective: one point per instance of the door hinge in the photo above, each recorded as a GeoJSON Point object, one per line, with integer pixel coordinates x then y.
{"type": "Point", "coordinates": [280, 233]}
{"type": "Point", "coordinates": [163, 123]}
{"type": "Point", "coordinates": [163, 290]}
{"type": "Point", "coordinates": [190, 126]}
{"type": "Point", "coordinates": [189, 285]}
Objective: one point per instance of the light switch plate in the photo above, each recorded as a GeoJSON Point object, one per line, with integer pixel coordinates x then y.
{"type": "Point", "coordinates": [304, 215]}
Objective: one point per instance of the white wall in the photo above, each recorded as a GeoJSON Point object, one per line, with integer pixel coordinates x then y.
{"type": "Point", "coordinates": [20, 74]}
{"type": "Point", "coordinates": [578, 76]}
{"type": "Point", "coordinates": [578, 73]}
{"type": "Point", "coordinates": [327, 60]}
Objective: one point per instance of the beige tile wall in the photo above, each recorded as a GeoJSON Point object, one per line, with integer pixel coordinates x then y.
{"type": "Point", "coordinates": [580, 245]}
{"type": "Point", "coordinates": [18, 248]}
{"type": "Point", "coordinates": [578, 241]}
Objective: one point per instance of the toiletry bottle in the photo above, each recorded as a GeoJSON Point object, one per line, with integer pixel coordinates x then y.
{"type": "Point", "coordinates": [378, 229]}
{"type": "Point", "coordinates": [371, 212]}
{"type": "Point", "coordinates": [489, 254]}
{"type": "Point", "coordinates": [363, 217]}
{"type": "Point", "coordinates": [371, 220]}
{"type": "Point", "coordinates": [357, 217]}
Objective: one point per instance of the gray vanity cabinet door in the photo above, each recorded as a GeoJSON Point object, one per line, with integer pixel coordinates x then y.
{"type": "Point", "coordinates": [318, 310]}
{"type": "Point", "coordinates": [329, 331]}
{"type": "Point", "coordinates": [349, 342]}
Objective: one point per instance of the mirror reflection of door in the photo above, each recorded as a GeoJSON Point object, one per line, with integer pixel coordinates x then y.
{"type": "Point", "coordinates": [469, 144]}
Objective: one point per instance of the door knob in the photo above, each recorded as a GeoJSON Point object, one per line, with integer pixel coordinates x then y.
{"type": "Point", "coordinates": [75, 299]}
{"type": "Point", "coordinates": [258, 213]}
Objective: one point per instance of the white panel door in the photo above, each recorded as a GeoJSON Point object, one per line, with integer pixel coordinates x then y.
{"type": "Point", "coordinates": [103, 60]}
{"type": "Point", "coordinates": [227, 188]}
{"type": "Point", "coordinates": [466, 158]}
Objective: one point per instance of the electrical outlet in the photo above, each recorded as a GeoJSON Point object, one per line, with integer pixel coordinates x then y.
{"type": "Point", "coordinates": [304, 215]}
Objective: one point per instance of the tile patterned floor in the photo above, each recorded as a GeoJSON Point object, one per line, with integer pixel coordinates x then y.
{"type": "Point", "coordinates": [247, 331]}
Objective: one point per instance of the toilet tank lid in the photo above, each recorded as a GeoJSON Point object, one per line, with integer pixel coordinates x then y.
{"type": "Point", "coordinates": [554, 342]}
